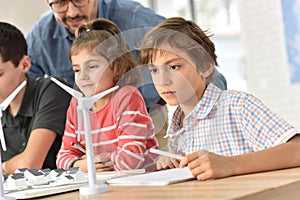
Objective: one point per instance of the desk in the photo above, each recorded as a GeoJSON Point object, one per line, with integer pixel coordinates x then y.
{"type": "Point", "coordinates": [275, 185]}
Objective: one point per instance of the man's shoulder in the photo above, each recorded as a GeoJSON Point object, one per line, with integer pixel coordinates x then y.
{"type": "Point", "coordinates": [122, 4]}
{"type": "Point", "coordinates": [44, 25]}
{"type": "Point", "coordinates": [133, 12]}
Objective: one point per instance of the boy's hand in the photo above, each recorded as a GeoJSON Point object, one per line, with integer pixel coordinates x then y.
{"type": "Point", "coordinates": [165, 162]}
{"type": "Point", "coordinates": [206, 165]}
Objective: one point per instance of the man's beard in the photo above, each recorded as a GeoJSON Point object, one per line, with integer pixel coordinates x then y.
{"type": "Point", "coordinates": [72, 29]}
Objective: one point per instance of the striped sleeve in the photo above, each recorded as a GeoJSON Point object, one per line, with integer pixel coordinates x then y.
{"type": "Point", "coordinates": [135, 131]}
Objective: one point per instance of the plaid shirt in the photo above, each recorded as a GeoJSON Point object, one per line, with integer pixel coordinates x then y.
{"type": "Point", "coordinates": [227, 123]}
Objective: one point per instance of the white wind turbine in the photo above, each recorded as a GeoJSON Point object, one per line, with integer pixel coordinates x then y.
{"type": "Point", "coordinates": [83, 107]}
{"type": "Point", "coordinates": [3, 107]}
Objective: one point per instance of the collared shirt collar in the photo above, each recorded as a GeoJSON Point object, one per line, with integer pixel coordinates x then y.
{"type": "Point", "coordinates": [201, 110]}
{"type": "Point", "coordinates": [100, 9]}
{"type": "Point", "coordinates": [207, 102]}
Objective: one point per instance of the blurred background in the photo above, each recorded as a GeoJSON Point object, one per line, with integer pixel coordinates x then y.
{"type": "Point", "coordinates": [257, 42]}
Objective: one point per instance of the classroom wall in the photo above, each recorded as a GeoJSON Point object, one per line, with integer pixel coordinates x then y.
{"type": "Point", "coordinates": [265, 58]}
{"type": "Point", "coordinates": [22, 14]}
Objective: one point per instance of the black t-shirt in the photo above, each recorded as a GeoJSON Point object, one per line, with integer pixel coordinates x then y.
{"type": "Point", "coordinates": [44, 106]}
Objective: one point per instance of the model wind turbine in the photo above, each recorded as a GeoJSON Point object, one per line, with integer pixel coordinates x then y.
{"type": "Point", "coordinates": [83, 107]}
{"type": "Point", "coordinates": [3, 107]}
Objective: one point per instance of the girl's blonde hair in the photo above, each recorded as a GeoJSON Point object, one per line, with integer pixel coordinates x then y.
{"type": "Point", "coordinates": [103, 37]}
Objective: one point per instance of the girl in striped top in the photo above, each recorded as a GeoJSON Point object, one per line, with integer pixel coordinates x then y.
{"type": "Point", "coordinates": [121, 128]}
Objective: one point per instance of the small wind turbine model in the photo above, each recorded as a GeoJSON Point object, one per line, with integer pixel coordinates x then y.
{"type": "Point", "coordinates": [83, 107]}
{"type": "Point", "coordinates": [3, 107]}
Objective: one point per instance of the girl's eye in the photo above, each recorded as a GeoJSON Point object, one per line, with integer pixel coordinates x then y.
{"type": "Point", "coordinates": [154, 70]}
{"type": "Point", "coordinates": [76, 70]}
{"type": "Point", "coordinates": [92, 66]}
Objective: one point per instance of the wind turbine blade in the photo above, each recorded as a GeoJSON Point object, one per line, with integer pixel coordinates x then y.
{"type": "Point", "coordinates": [3, 144]}
{"type": "Point", "coordinates": [102, 94]}
{"type": "Point", "coordinates": [7, 101]}
{"type": "Point", "coordinates": [71, 91]}
{"type": "Point", "coordinates": [79, 122]}
{"type": "Point", "coordinates": [3, 107]}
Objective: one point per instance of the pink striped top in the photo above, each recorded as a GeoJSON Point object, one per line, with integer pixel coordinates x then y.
{"type": "Point", "coordinates": [122, 131]}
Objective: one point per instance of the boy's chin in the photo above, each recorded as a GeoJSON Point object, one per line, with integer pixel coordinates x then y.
{"type": "Point", "coordinates": [171, 103]}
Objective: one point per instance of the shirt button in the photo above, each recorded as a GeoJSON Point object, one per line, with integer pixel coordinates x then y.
{"type": "Point", "coordinates": [23, 144]}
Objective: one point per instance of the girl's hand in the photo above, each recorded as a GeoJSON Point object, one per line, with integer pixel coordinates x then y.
{"type": "Point", "coordinates": [99, 165]}
{"type": "Point", "coordinates": [206, 165]}
{"type": "Point", "coordinates": [82, 164]}
{"type": "Point", "coordinates": [102, 163]}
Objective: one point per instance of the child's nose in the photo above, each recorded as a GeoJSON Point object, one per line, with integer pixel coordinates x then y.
{"type": "Point", "coordinates": [164, 78]}
{"type": "Point", "coordinates": [83, 75]}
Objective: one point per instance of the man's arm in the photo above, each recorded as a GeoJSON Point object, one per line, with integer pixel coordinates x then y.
{"type": "Point", "coordinates": [33, 156]}
{"type": "Point", "coordinates": [220, 80]}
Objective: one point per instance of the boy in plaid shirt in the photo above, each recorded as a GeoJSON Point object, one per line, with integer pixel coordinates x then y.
{"type": "Point", "coordinates": [221, 133]}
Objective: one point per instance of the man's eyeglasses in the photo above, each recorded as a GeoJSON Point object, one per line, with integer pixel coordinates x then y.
{"type": "Point", "coordinates": [61, 6]}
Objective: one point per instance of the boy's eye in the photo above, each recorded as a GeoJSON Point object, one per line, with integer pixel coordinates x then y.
{"type": "Point", "coordinates": [174, 67]}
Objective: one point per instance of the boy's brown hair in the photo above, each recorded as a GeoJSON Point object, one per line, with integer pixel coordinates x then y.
{"type": "Point", "coordinates": [180, 36]}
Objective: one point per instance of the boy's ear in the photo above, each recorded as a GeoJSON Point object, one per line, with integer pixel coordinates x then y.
{"type": "Point", "coordinates": [210, 68]}
{"type": "Point", "coordinates": [25, 64]}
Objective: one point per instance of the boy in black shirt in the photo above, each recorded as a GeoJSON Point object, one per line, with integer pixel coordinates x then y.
{"type": "Point", "coordinates": [34, 122]}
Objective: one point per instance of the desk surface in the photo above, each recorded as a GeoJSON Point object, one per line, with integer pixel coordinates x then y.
{"type": "Point", "coordinates": [281, 184]}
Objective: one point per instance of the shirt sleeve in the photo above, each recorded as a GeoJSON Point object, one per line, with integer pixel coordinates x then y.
{"type": "Point", "coordinates": [51, 107]}
{"type": "Point", "coordinates": [134, 129]}
{"type": "Point", "coordinates": [263, 127]}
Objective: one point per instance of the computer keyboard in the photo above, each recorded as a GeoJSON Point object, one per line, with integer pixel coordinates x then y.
{"type": "Point", "coordinates": [27, 184]}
